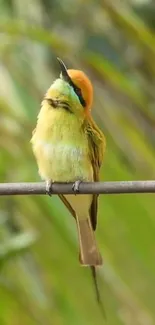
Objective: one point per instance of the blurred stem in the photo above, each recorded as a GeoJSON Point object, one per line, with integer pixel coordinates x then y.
{"type": "Point", "coordinates": [27, 264]}
{"type": "Point", "coordinates": [34, 33]}
{"type": "Point", "coordinates": [131, 23]}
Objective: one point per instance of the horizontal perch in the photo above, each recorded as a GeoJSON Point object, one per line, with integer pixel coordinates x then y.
{"type": "Point", "coordinates": [84, 188]}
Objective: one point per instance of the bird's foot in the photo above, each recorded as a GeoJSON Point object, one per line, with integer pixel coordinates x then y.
{"type": "Point", "coordinates": [49, 189]}
{"type": "Point", "coordinates": [75, 187]}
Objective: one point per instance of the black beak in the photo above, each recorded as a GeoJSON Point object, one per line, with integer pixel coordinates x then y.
{"type": "Point", "coordinates": [67, 78]}
{"type": "Point", "coordinates": [64, 72]}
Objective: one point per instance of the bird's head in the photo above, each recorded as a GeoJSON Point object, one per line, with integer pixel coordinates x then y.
{"type": "Point", "coordinates": [72, 87]}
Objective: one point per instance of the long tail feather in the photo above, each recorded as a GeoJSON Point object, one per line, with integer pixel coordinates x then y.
{"type": "Point", "coordinates": [93, 272]}
{"type": "Point", "coordinates": [98, 297]}
{"type": "Point", "coordinates": [89, 254]}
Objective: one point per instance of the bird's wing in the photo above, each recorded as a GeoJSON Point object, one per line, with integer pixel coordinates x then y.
{"type": "Point", "coordinates": [97, 145]}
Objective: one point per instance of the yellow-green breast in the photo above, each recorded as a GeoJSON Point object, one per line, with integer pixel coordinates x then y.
{"type": "Point", "coordinates": [61, 146]}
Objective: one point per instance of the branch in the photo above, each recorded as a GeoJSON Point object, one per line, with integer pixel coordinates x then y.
{"type": "Point", "coordinates": [84, 188]}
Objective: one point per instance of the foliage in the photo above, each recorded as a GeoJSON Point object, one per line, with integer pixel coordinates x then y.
{"type": "Point", "coordinates": [114, 43]}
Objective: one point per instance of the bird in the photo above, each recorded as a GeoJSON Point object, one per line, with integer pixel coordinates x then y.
{"type": "Point", "coordinates": [69, 147]}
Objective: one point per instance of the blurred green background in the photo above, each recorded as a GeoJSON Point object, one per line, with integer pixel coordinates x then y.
{"type": "Point", "coordinates": [41, 281]}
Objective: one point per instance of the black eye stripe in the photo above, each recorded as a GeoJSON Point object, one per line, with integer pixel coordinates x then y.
{"type": "Point", "coordinates": [65, 76]}
{"type": "Point", "coordinates": [79, 94]}
{"type": "Point", "coordinates": [77, 91]}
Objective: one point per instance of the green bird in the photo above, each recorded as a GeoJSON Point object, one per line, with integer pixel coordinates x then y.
{"type": "Point", "coordinates": [69, 147]}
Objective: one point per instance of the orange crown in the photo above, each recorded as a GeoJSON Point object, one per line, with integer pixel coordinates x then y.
{"type": "Point", "coordinates": [81, 80]}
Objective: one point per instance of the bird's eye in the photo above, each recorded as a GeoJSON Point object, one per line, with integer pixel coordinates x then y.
{"type": "Point", "coordinates": [78, 91]}
{"type": "Point", "coordinates": [79, 94]}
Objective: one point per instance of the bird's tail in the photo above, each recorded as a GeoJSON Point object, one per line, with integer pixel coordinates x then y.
{"type": "Point", "coordinates": [93, 273]}
{"type": "Point", "coordinates": [89, 254]}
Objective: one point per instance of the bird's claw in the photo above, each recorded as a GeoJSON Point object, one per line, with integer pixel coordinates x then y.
{"type": "Point", "coordinates": [49, 189]}
{"type": "Point", "coordinates": [75, 187]}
